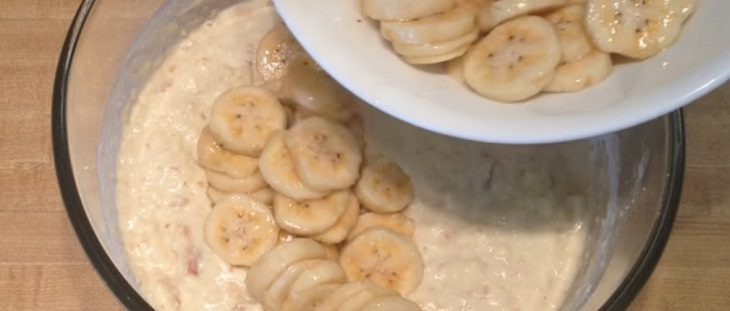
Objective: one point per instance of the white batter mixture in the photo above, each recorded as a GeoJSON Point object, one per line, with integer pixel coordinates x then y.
{"type": "Point", "coordinates": [493, 230]}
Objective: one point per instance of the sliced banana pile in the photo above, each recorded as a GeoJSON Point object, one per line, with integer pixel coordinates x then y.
{"type": "Point", "coordinates": [297, 275]}
{"type": "Point", "coordinates": [294, 199]}
{"type": "Point", "coordinates": [511, 50]}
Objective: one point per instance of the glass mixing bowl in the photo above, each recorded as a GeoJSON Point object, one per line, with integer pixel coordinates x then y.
{"type": "Point", "coordinates": [634, 176]}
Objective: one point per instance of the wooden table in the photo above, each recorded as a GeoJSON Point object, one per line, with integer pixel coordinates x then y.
{"type": "Point", "coordinates": [42, 266]}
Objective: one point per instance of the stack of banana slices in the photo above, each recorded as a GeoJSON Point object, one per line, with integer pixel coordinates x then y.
{"type": "Point", "coordinates": [528, 46]}
{"type": "Point", "coordinates": [320, 226]}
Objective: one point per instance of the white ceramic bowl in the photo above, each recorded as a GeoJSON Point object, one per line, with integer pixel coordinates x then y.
{"type": "Point", "coordinates": [350, 48]}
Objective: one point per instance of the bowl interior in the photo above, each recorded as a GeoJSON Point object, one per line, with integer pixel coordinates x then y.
{"type": "Point", "coordinates": [632, 176]}
{"type": "Point", "coordinates": [636, 91]}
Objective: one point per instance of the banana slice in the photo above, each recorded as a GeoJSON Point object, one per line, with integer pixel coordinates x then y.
{"type": "Point", "coordinates": [226, 183]}
{"type": "Point", "coordinates": [339, 231]}
{"type": "Point", "coordinates": [386, 258]}
{"type": "Point", "coordinates": [242, 119]}
{"type": "Point", "coordinates": [436, 48]}
{"type": "Point", "coordinates": [396, 222]}
{"type": "Point", "coordinates": [437, 28]}
{"type": "Point", "coordinates": [501, 10]}
{"type": "Point", "coordinates": [569, 23]}
{"type": "Point", "coordinates": [637, 29]}
{"type": "Point", "coordinates": [365, 296]}
{"type": "Point", "coordinates": [326, 155]}
{"type": "Point", "coordinates": [312, 216]}
{"type": "Point", "coordinates": [240, 230]}
{"type": "Point", "coordinates": [310, 299]}
{"type": "Point", "coordinates": [344, 293]}
{"type": "Point", "coordinates": [324, 272]}
{"type": "Point", "coordinates": [404, 10]}
{"type": "Point", "coordinates": [427, 60]}
{"type": "Point", "coordinates": [212, 156]}
{"type": "Point", "coordinates": [390, 303]}
{"type": "Point", "coordinates": [384, 187]}
{"type": "Point", "coordinates": [573, 77]}
{"type": "Point", "coordinates": [264, 195]}
{"type": "Point", "coordinates": [276, 51]}
{"type": "Point", "coordinates": [514, 61]}
{"type": "Point", "coordinates": [318, 93]}
{"type": "Point", "coordinates": [278, 291]}
{"type": "Point", "coordinates": [266, 270]}
{"type": "Point", "coordinates": [277, 168]}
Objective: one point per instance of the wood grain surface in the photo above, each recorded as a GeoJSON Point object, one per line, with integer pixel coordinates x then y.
{"type": "Point", "coordinates": [42, 266]}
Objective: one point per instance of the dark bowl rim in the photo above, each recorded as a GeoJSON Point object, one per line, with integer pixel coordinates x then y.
{"type": "Point", "coordinates": [619, 300]}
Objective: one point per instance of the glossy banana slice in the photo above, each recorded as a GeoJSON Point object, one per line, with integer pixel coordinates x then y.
{"type": "Point", "coordinates": [324, 272]}
{"type": "Point", "coordinates": [687, 7]}
{"type": "Point", "coordinates": [365, 296]}
{"type": "Point", "coordinates": [386, 258]}
{"type": "Point", "coordinates": [213, 156]}
{"type": "Point", "coordinates": [326, 155]}
{"type": "Point", "coordinates": [266, 270]}
{"type": "Point", "coordinates": [278, 291]}
{"type": "Point", "coordinates": [390, 303]}
{"type": "Point", "coordinates": [404, 10]}
{"type": "Point", "coordinates": [339, 231]}
{"type": "Point", "coordinates": [437, 28]}
{"type": "Point", "coordinates": [396, 222]}
{"type": "Point", "coordinates": [264, 195]}
{"type": "Point", "coordinates": [240, 230]}
{"type": "Point", "coordinates": [502, 10]}
{"type": "Point", "coordinates": [242, 119]}
{"type": "Point", "coordinates": [573, 77]}
{"type": "Point", "coordinates": [384, 187]}
{"type": "Point", "coordinates": [344, 293]}
{"type": "Point", "coordinates": [276, 51]}
{"type": "Point", "coordinates": [318, 93]}
{"type": "Point", "coordinates": [310, 299]}
{"type": "Point", "coordinates": [514, 61]}
{"type": "Point", "coordinates": [277, 168]}
{"type": "Point", "coordinates": [311, 216]}
{"type": "Point", "coordinates": [569, 23]}
{"type": "Point", "coordinates": [428, 60]}
{"type": "Point", "coordinates": [436, 48]}
{"type": "Point", "coordinates": [637, 29]}
{"type": "Point", "coordinates": [226, 183]}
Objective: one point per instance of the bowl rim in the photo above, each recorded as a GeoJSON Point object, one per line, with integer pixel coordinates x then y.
{"type": "Point", "coordinates": [131, 299]}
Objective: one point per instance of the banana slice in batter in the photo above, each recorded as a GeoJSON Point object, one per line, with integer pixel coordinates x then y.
{"type": "Point", "coordinates": [243, 119]}
{"type": "Point", "coordinates": [390, 303]}
{"type": "Point", "coordinates": [318, 93]}
{"type": "Point", "coordinates": [213, 156]}
{"type": "Point", "coordinates": [266, 270]}
{"type": "Point", "coordinates": [384, 187]}
{"type": "Point", "coordinates": [240, 230]}
{"type": "Point", "coordinates": [515, 61]}
{"type": "Point", "coordinates": [311, 216]}
{"type": "Point", "coordinates": [386, 258]}
{"type": "Point", "coordinates": [396, 222]}
{"type": "Point", "coordinates": [277, 168]}
{"type": "Point", "coordinates": [264, 195]}
{"type": "Point", "coordinates": [340, 230]}
{"type": "Point", "coordinates": [324, 272]}
{"type": "Point", "coordinates": [277, 51]}
{"type": "Point", "coordinates": [278, 291]}
{"type": "Point", "coordinates": [326, 155]}
{"type": "Point", "coordinates": [226, 183]}
{"type": "Point", "coordinates": [310, 299]}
